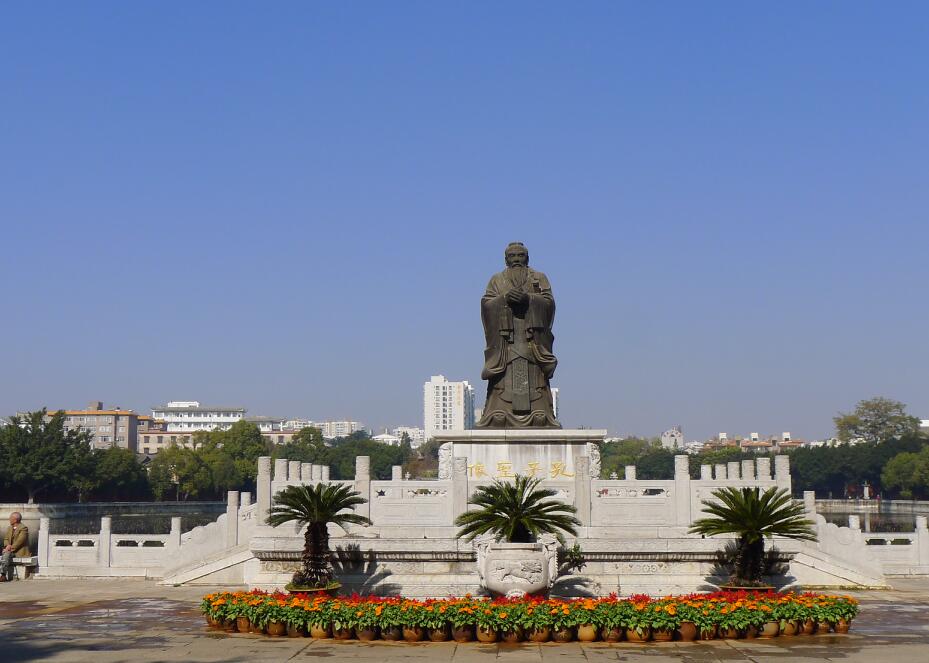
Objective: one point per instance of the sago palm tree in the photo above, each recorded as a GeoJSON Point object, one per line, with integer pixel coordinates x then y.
{"type": "Point", "coordinates": [316, 507]}
{"type": "Point", "coordinates": [753, 515]}
{"type": "Point", "coordinates": [517, 512]}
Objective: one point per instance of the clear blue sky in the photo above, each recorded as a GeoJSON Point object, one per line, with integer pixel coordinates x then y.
{"type": "Point", "coordinates": [296, 206]}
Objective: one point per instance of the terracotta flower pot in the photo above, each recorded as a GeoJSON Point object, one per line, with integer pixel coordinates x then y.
{"type": "Point", "coordinates": [486, 634]}
{"type": "Point", "coordinates": [413, 633]}
{"type": "Point", "coordinates": [562, 634]}
{"type": "Point", "coordinates": [512, 635]}
{"type": "Point", "coordinates": [438, 634]}
{"type": "Point", "coordinates": [769, 630]}
{"type": "Point", "coordinates": [662, 634]}
{"type": "Point", "coordinates": [749, 632]}
{"type": "Point", "coordinates": [212, 622]}
{"type": "Point", "coordinates": [808, 627]}
{"type": "Point", "coordinates": [242, 624]}
{"type": "Point", "coordinates": [276, 629]}
{"type": "Point", "coordinates": [728, 633]}
{"type": "Point", "coordinates": [391, 633]}
{"type": "Point", "coordinates": [842, 626]}
{"type": "Point", "coordinates": [320, 631]}
{"type": "Point", "coordinates": [230, 626]}
{"type": "Point", "coordinates": [463, 633]}
{"type": "Point", "coordinates": [586, 633]}
{"type": "Point", "coordinates": [641, 634]}
{"type": "Point", "coordinates": [539, 634]}
{"type": "Point", "coordinates": [789, 628]}
{"type": "Point", "coordinates": [343, 632]}
{"type": "Point", "coordinates": [366, 633]}
{"type": "Point", "coordinates": [612, 633]}
{"type": "Point", "coordinates": [708, 633]}
{"type": "Point", "coordinates": [687, 631]}
{"type": "Point", "coordinates": [296, 631]}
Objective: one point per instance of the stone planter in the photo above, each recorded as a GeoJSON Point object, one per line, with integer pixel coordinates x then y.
{"type": "Point", "coordinates": [276, 629]}
{"type": "Point", "coordinates": [413, 633]}
{"type": "Point", "coordinates": [640, 634]}
{"type": "Point", "coordinates": [391, 633]}
{"type": "Point", "coordinates": [438, 634]}
{"type": "Point", "coordinates": [463, 633]}
{"type": "Point", "coordinates": [539, 634]}
{"type": "Point", "coordinates": [586, 632]}
{"type": "Point", "coordinates": [486, 634]}
{"type": "Point", "coordinates": [320, 631]}
{"type": "Point", "coordinates": [516, 569]}
{"type": "Point", "coordinates": [562, 635]}
{"type": "Point", "coordinates": [612, 633]}
{"type": "Point", "coordinates": [687, 631]}
{"type": "Point", "coordinates": [769, 630]}
{"type": "Point", "coordinates": [366, 633]}
{"type": "Point", "coordinates": [512, 636]}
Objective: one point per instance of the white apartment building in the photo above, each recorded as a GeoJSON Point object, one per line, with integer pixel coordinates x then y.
{"type": "Point", "coordinates": [447, 405]}
{"type": "Point", "coordinates": [417, 435]}
{"type": "Point", "coordinates": [334, 429]}
{"type": "Point", "coordinates": [190, 416]}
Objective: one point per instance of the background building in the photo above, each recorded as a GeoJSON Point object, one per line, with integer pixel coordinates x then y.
{"type": "Point", "coordinates": [673, 438]}
{"type": "Point", "coordinates": [417, 435]}
{"type": "Point", "coordinates": [334, 429]}
{"type": "Point", "coordinates": [447, 405]}
{"type": "Point", "coordinates": [190, 416]}
{"type": "Point", "coordinates": [110, 428]}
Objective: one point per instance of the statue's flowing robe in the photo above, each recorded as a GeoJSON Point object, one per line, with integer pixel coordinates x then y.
{"type": "Point", "coordinates": [519, 351]}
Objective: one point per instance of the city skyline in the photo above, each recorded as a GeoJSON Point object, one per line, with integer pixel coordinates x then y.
{"type": "Point", "coordinates": [298, 210]}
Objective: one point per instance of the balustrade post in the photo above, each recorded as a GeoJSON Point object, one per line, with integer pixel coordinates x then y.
{"type": "Point", "coordinates": [809, 502]}
{"type": "Point", "coordinates": [325, 475]}
{"type": "Point", "coordinates": [174, 536]}
{"type": "Point", "coordinates": [245, 499]}
{"type": "Point", "coordinates": [748, 470]}
{"type": "Point", "coordinates": [721, 474]}
{"type": "Point", "coordinates": [706, 473]}
{"type": "Point", "coordinates": [922, 541]}
{"type": "Point", "coordinates": [316, 473]}
{"type": "Point", "coordinates": [306, 472]}
{"type": "Point", "coordinates": [263, 489]}
{"type": "Point", "coordinates": [763, 468]}
{"type": "Point", "coordinates": [232, 519]}
{"type": "Point", "coordinates": [732, 470]}
{"type": "Point", "coordinates": [293, 471]}
{"type": "Point", "coordinates": [396, 473]}
{"type": "Point", "coordinates": [104, 545]}
{"type": "Point", "coordinates": [459, 486]}
{"type": "Point", "coordinates": [629, 473]}
{"type": "Point", "coordinates": [854, 522]}
{"type": "Point", "coordinates": [280, 470]}
{"type": "Point", "coordinates": [682, 489]}
{"type": "Point", "coordinates": [363, 484]}
{"type": "Point", "coordinates": [44, 524]}
{"type": "Point", "coordinates": [782, 471]}
{"type": "Point", "coordinates": [582, 489]}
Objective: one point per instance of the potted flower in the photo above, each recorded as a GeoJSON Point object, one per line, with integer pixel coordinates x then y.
{"type": "Point", "coordinates": [367, 616]}
{"type": "Point", "coordinates": [639, 624]}
{"type": "Point", "coordinates": [752, 516]}
{"type": "Point", "coordinates": [788, 613]}
{"type": "Point", "coordinates": [612, 616]}
{"type": "Point", "coordinates": [273, 617]}
{"type": "Point", "coordinates": [461, 617]}
{"type": "Point", "coordinates": [295, 619]}
{"type": "Point", "coordinates": [435, 620]}
{"type": "Point", "coordinates": [391, 618]}
{"type": "Point", "coordinates": [316, 507]}
{"type": "Point", "coordinates": [318, 617]}
{"type": "Point", "coordinates": [768, 625]}
{"type": "Point", "coordinates": [487, 621]}
{"type": "Point", "coordinates": [664, 620]}
{"type": "Point", "coordinates": [689, 615]}
{"type": "Point", "coordinates": [840, 612]}
{"type": "Point", "coordinates": [585, 611]}
{"type": "Point", "coordinates": [412, 621]}
{"type": "Point", "coordinates": [564, 621]}
{"type": "Point", "coordinates": [537, 624]}
{"type": "Point", "coordinates": [512, 615]}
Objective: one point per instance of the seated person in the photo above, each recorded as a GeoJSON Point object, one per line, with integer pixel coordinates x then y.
{"type": "Point", "coordinates": [15, 544]}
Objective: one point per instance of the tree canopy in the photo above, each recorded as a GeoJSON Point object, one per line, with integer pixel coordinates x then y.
{"type": "Point", "coordinates": [876, 420]}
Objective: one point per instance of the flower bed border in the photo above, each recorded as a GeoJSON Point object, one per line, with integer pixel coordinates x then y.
{"type": "Point", "coordinates": [639, 618]}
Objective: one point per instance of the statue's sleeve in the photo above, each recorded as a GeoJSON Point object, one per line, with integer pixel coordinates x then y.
{"type": "Point", "coordinates": [541, 303]}
{"type": "Point", "coordinates": [493, 315]}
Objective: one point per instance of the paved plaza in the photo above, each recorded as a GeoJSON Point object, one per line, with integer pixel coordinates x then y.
{"type": "Point", "coordinates": [120, 620]}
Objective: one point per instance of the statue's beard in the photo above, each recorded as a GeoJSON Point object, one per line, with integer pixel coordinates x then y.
{"type": "Point", "coordinates": [518, 275]}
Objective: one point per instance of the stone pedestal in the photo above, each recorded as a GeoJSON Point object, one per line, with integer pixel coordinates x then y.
{"type": "Point", "coordinates": [503, 453]}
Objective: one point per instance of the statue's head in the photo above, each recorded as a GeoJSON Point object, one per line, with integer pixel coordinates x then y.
{"type": "Point", "coordinates": [516, 253]}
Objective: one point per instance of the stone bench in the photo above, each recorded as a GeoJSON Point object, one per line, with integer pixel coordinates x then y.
{"type": "Point", "coordinates": [24, 567]}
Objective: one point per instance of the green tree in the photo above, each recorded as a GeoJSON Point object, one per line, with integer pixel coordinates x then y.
{"type": "Point", "coordinates": [182, 469]}
{"type": "Point", "coordinates": [38, 454]}
{"type": "Point", "coordinates": [753, 515]}
{"type": "Point", "coordinates": [243, 443]}
{"type": "Point", "coordinates": [517, 511]}
{"type": "Point", "coordinates": [908, 472]}
{"type": "Point", "coordinates": [118, 474]}
{"type": "Point", "coordinates": [316, 507]}
{"type": "Point", "coordinates": [307, 445]}
{"type": "Point", "coordinates": [876, 420]}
